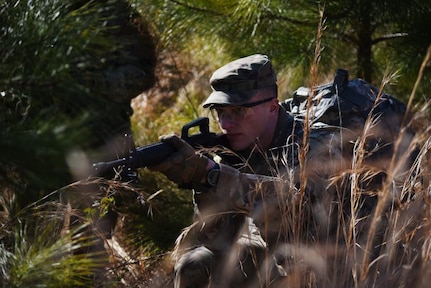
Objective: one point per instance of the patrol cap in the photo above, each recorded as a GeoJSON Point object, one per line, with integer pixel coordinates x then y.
{"type": "Point", "coordinates": [238, 81]}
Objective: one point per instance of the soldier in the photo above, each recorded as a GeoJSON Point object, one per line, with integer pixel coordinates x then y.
{"type": "Point", "coordinates": [126, 70]}
{"type": "Point", "coordinates": [244, 195]}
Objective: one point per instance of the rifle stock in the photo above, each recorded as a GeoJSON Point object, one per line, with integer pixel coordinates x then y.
{"type": "Point", "coordinates": [155, 153]}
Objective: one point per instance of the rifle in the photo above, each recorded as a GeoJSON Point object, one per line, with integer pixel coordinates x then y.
{"type": "Point", "coordinates": [157, 152]}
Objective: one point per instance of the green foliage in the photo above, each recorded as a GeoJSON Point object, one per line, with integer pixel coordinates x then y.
{"type": "Point", "coordinates": [185, 107]}
{"type": "Point", "coordinates": [239, 27]}
{"type": "Point", "coordinates": [33, 253]}
{"type": "Point", "coordinates": [154, 222]}
{"type": "Point", "coordinates": [55, 99]}
{"type": "Point", "coordinates": [377, 35]}
{"type": "Point", "coordinates": [44, 44]}
{"type": "Point", "coordinates": [361, 36]}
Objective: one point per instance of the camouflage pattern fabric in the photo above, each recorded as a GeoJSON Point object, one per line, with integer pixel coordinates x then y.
{"type": "Point", "coordinates": [248, 210]}
{"type": "Point", "coordinates": [268, 190]}
{"type": "Point", "coordinates": [239, 80]}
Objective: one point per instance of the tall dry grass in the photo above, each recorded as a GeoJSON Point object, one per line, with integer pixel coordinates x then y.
{"type": "Point", "coordinates": [365, 231]}
{"type": "Point", "coordinates": [375, 214]}
{"type": "Point", "coordinates": [370, 224]}
{"type": "Point", "coordinates": [370, 227]}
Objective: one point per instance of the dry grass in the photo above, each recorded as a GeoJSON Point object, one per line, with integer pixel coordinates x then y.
{"type": "Point", "coordinates": [371, 225]}
{"type": "Point", "coordinates": [365, 231]}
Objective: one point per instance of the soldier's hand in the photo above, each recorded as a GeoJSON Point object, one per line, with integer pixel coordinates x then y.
{"type": "Point", "coordinates": [184, 166]}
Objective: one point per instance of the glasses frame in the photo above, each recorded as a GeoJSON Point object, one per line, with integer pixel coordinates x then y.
{"type": "Point", "coordinates": [245, 105]}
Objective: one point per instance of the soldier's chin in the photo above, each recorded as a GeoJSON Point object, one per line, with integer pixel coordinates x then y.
{"type": "Point", "coordinates": [238, 144]}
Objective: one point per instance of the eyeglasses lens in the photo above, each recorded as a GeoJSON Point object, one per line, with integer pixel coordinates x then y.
{"type": "Point", "coordinates": [230, 113]}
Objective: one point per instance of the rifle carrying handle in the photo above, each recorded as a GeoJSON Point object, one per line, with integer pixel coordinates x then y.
{"type": "Point", "coordinates": [155, 153]}
{"type": "Point", "coordinates": [204, 128]}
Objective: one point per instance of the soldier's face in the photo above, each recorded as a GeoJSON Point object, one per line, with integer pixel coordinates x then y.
{"type": "Point", "coordinates": [247, 126]}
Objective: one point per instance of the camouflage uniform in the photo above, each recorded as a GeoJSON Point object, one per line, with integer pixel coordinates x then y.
{"type": "Point", "coordinates": [125, 69]}
{"type": "Point", "coordinates": [241, 222]}
{"type": "Point", "coordinates": [295, 212]}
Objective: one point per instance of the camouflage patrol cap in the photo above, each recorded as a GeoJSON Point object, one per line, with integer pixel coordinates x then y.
{"type": "Point", "coordinates": [238, 81]}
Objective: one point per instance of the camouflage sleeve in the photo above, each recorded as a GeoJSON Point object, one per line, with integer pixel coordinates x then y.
{"type": "Point", "coordinates": [265, 199]}
{"type": "Point", "coordinates": [231, 195]}
{"type": "Point", "coordinates": [234, 187]}
{"type": "Point", "coordinates": [241, 190]}
{"type": "Point", "coordinates": [221, 211]}
{"type": "Point", "coordinates": [329, 152]}
{"type": "Point", "coordinates": [269, 201]}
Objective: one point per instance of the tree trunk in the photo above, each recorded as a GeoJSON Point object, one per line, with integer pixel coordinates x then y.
{"type": "Point", "coordinates": [365, 66]}
{"type": "Point", "coordinates": [364, 32]}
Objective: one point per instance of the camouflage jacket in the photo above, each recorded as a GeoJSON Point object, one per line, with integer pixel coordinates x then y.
{"type": "Point", "coordinates": [265, 186]}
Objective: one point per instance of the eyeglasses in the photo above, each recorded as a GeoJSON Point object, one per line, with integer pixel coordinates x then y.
{"type": "Point", "coordinates": [237, 112]}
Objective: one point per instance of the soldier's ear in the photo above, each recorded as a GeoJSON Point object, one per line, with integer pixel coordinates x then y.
{"type": "Point", "coordinates": [274, 105]}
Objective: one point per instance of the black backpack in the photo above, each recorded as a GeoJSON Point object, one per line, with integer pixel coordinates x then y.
{"type": "Point", "coordinates": [348, 103]}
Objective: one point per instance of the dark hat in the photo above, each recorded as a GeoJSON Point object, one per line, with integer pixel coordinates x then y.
{"type": "Point", "coordinates": [238, 81]}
